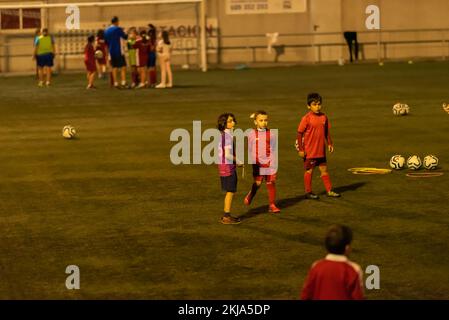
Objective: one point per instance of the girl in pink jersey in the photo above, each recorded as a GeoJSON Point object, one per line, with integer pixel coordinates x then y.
{"type": "Point", "coordinates": [261, 146]}
{"type": "Point", "coordinates": [313, 134]}
{"type": "Point", "coordinates": [227, 164]}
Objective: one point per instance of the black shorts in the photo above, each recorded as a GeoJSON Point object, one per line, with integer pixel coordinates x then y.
{"type": "Point", "coordinates": [229, 183]}
{"type": "Point", "coordinates": [314, 162]}
{"type": "Point", "coordinates": [118, 61]}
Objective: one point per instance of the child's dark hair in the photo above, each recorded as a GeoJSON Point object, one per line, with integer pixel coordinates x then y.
{"type": "Point", "coordinates": [152, 33]}
{"type": "Point", "coordinates": [144, 35]}
{"type": "Point", "coordinates": [100, 33]}
{"type": "Point", "coordinates": [91, 38]}
{"type": "Point", "coordinates": [114, 20]}
{"type": "Point", "coordinates": [313, 97]}
{"type": "Point", "coordinates": [165, 37]}
{"type": "Point", "coordinates": [337, 238]}
{"type": "Point", "coordinates": [223, 120]}
{"type": "Point", "coordinates": [255, 114]}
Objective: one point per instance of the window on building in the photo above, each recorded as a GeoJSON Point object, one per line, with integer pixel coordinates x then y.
{"type": "Point", "coordinates": [16, 19]}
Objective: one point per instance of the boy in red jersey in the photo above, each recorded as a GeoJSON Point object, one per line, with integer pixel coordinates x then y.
{"type": "Point", "coordinates": [263, 159]}
{"type": "Point", "coordinates": [89, 61]}
{"type": "Point", "coordinates": [313, 134]}
{"type": "Point", "coordinates": [335, 277]}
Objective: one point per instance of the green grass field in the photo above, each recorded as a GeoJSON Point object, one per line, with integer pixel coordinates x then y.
{"type": "Point", "coordinates": [139, 227]}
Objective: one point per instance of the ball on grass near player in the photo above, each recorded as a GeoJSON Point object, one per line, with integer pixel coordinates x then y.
{"type": "Point", "coordinates": [99, 54]}
{"type": "Point", "coordinates": [430, 162]}
{"type": "Point", "coordinates": [397, 109]}
{"type": "Point", "coordinates": [414, 162]}
{"type": "Point", "coordinates": [68, 132]}
{"type": "Point", "coordinates": [397, 162]}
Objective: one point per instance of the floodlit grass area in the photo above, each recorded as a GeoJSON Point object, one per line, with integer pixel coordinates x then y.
{"type": "Point", "coordinates": [112, 203]}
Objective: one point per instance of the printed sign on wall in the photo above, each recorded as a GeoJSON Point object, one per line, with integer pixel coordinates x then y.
{"type": "Point", "coordinates": [265, 6]}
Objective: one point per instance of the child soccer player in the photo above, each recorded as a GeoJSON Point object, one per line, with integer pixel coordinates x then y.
{"type": "Point", "coordinates": [152, 76]}
{"type": "Point", "coordinates": [89, 61]}
{"type": "Point", "coordinates": [313, 133]}
{"type": "Point", "coordinates": [262, 138]}
{"type": "Point", "coordinates": [335, 277]}
{"type": "Point", "coordinates": [142, 46]}
{"type": "Point", "coordinates": [132, 56]}
{"type": "Point", "coordinates": [101, 45]}
{"type": "Point", "coordinates": [164, 48]}
{"type": "Point", "coordinates": [227, 165]}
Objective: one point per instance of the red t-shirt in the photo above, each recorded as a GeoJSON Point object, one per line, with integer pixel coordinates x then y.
{"type": "Point", "coordinates": [89, 54]}
{"type": "Point", "coordinates": [313, 133]}
{"type": "Point", "coordinates": [262, 146]}
{"type": "Point", "coordinates": [143, 47]}
{"type": "Point", "coordinates": [333, 278]}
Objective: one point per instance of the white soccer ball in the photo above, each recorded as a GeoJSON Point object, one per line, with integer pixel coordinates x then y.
{"type": "Point", "coordinates": [397, 109]}
{"type": "Point", "coordinates": [401, 109]}
{"type": "Point", "coordinates": [99, 54]}
{"type": "Point", "coordinates": [68, 132]}
{"type": "Point", "coordinates": [430, 162]}
{"type": "Point", "coordinates": [397, 162]}
{"type": "Point", "coordinates": [414, 162]}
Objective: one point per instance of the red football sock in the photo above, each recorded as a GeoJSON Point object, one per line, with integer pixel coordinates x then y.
{"type": "Point", "coordinates": [327, 182]}
{"type": "Point", "coordinates": [153, 77]}
{"type": "Point", "coordinates": [308, 182]}
{"type": "Point", "coordinates": [271, 187]}
{"type": "Point", "coordinates": [135, 77]}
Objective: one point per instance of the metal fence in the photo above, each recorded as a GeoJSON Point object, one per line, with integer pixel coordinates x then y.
{"type": "Point", "coordinates": [316, 47]}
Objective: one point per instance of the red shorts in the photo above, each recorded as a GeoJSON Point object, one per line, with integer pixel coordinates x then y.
{"type": "Point", "coordinates": [258, 177]}
{"type": "Point", "coordinates": [90, 66]}
{"type": "Point", "coordinates": [314, 162]}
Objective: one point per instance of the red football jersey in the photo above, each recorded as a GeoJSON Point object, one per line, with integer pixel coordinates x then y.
{"type": "Point", "coordinates": [333, 278]}
{"type": "Point", "coordinates": [143, 47]}
{"type": "Point", "coordinates": [313, 133]}
{"type": "Point", "coordinates": [89, 53]}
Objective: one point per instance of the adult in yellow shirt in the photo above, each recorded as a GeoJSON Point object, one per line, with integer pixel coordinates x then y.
{"type": "Point", "coordinates": [44, 53]}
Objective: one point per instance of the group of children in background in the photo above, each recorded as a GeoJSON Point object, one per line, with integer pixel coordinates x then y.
{"type": "Point", "coordinates": [143, 51]}
{"type": "Point", "coordinates": [335, 277]}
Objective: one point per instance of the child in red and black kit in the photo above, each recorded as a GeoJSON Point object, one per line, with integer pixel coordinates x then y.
{"type": "Point", "coordinates": [313, 134]}
{"type": "Point", "coordinates": [151, 65]}
{"type": "Point", "coordinates": [89, 61]}
{"type": "Point", "coordinates": [335, 277]}
{"type": "Point", "coordinates": [261, 145]}
{"type": "Point", "coordinates": [142, 46]}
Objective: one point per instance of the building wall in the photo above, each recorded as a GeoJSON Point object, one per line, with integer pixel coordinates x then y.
{"type": "Point", "coordinates": [307, 32]}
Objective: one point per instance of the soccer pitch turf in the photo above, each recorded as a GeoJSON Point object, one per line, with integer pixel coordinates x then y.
{"type": "Point", "coordinates": [139, 227]}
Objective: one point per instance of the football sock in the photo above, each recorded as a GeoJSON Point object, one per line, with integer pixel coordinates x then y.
{"type": "Point", "coordinates": [134, 77]}
{"type": "Point", "coordinates": [254, 189]}
{"type": "Point", "coordinates": [227, 214]}
{"type": "Point", "coordinates": [327, 182]}
{"type": "Point", "coordinates": [153, 79]}
{"type": "Point", "coordinates": [308, 182]}
{"type": "Point", "coordinates": [271, 187]}
{"type": "Point", "coordinates": [123, 83]}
